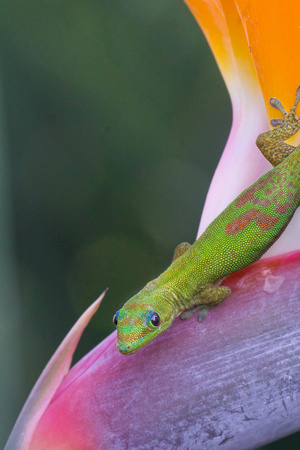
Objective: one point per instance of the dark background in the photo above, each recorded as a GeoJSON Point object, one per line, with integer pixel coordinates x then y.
{"type": "Point", "coordinates": [113, 118]}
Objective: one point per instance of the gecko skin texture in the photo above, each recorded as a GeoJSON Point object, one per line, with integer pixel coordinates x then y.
{"type": "Point", "coordinates": [238, 237]}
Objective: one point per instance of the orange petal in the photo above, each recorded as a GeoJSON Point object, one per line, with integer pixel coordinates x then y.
{"type": "Point", "coordinates": [273, 31]}
{"type": "Point", "coordinates": [224, 31]}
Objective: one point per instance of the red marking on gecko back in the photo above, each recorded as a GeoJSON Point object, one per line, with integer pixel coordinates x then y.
{"type": "Point", "coordinates": [268, 191]}
{"type": "Point", "coordinates": [282, 209]}
{"type": "Point", "coordinates": [249, 194]}
{"type": "Point", "coordinates": [264, 221]}
{"type": "Point", "coordinates": [290, 195]}
{"type": "Point", "coordinates": [265, 202]}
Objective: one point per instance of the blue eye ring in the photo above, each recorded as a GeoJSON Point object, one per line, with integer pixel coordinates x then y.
{"type": "Point", "coordinates": [115, 318]}
{"type": "Point", "coordinates": [153, 319]}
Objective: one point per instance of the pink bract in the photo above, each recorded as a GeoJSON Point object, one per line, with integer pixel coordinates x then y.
{"type": "Point", "coordinates": [231, 381]}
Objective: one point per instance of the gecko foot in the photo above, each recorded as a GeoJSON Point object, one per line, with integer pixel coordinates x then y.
{"type": "Point", "coordinates": [201, 316]}
{"type": "Point", "coordinates": [289, 118]}
{"type": "Point", "coordinates": [187, 314]}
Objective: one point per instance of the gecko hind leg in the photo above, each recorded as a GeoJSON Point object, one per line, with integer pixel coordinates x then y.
{"type": "Point", "coordinates": [180, 250]}
{"type": "Point", "coordinates": [272, 143]}
{"type": "Point", "coordinates": [208, 299]}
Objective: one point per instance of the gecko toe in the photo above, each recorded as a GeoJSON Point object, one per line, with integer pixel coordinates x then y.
{"type": "Point", "coordinates": [297, 99]}
{"type": "Point", "coordinates": [202, 315]}
{"type": "Point", "coordinates": [276, 122]}
{"type": "Point", "coordinates": [278, 105]}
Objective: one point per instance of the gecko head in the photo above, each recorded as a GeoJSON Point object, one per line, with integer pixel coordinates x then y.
{"type": "Point", "coordinates": [140, 321]}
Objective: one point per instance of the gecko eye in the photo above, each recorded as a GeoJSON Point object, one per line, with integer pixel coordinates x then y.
{"type": "Point", "coordinates": [115, 318]}
{"type": "Point", "coordinates": [153, 319]}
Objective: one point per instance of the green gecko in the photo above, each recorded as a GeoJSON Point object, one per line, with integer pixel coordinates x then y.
{"type": "Point", "coordinates": [238, 237]}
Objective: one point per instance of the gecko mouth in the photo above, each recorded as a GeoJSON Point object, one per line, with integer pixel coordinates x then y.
{"type": "Point", "coordinates": [128, 349]}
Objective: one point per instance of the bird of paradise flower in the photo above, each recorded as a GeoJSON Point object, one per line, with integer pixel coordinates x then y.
{"type": "Point", "coordinates": [233, 381]}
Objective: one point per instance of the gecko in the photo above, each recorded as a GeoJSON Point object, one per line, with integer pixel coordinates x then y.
{"type": "Point", "coordinates": [238, 237]}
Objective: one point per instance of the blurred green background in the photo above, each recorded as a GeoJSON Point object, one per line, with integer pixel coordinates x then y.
{"type": "Point", "coordinates": [113, 119]}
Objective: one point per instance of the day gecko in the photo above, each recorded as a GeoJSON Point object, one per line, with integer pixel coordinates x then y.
{"type": "Point", "coordinates": [239, 236]}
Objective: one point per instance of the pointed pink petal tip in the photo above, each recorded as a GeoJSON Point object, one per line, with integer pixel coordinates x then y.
{"type": "Point", "coordinates": [48, 382]}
